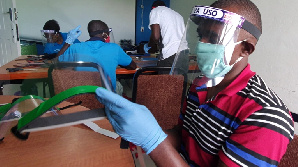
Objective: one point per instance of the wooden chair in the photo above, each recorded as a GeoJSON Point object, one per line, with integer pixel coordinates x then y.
{"type": "Point", "coordinates": [162, 94]}
{"type": "Point", "coordinates": [63, 76]}
{"type": "Point", "coordinates": [290, 158]}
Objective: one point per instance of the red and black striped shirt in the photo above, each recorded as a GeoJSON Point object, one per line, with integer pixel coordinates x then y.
{"type": "Point", "coordinates": [246, 124]}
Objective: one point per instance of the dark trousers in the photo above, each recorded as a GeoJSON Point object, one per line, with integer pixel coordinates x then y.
{"type": "Point", "coordinates": [168, 62]}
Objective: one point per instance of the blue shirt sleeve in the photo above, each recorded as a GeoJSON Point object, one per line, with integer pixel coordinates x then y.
{"type": "Point", "coordinates": [123, 59]}
{"type": "Point", "coordinates": [67, 55]}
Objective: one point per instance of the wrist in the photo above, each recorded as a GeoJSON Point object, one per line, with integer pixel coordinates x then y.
{"type": "Point", "coordinates": [69, 41]}
{"type": "Point", "coordinates": [166, 155]}
{"type": "Point", "coordinates": [155, 140]}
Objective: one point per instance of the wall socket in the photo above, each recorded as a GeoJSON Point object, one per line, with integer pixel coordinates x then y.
{"type": "Point", "coordinates": [142, 29]}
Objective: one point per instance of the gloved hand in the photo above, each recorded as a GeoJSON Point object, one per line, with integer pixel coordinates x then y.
{"type": "Point", "coordinates": [146, 48]}
{"type": "Point", "coordinates": [133, 122]}
{"type": "Point", "coordinates": [73, 35]}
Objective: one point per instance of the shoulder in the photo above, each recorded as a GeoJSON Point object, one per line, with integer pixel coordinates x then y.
{"type": "Point", "coordinates": [112, 45]}
{"type": "Point", "coordinates": [159, 10]}
{"type": "Point", "coordinates": [274, 114]}
{"type": "Point", "coordinates": [258, 91]}
{"type": "Point", "coordinates": [64, 35]}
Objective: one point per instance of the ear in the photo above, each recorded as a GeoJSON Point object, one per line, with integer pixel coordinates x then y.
{"type": "Point", "coordinates": [247, 48]}
{"type": "Point", "coordinates": [104, 35]}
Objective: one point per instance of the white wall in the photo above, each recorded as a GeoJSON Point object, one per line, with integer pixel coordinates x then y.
{"type": "Point", "coordinates": [276, 56]}
{"type": "Point", "coordinates": [185, 7]}
{"type": "Point", "coordinates": [118, 15]}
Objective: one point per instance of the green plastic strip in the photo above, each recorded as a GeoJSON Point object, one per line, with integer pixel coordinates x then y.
{"type": "Point", "coordinates": [46, 105]}
{"type": "Point", "coordinates": [4, 109]}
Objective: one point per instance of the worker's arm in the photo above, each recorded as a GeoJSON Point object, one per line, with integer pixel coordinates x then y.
{"type": "Point", "coordinates": [131, 66]}
{"type": "Point", "coordinates": [166, 153]}
{"type": "Point", "coordinates": [174, 136]}
{"type": "Point", "coordinates": [152, 45]}
{"type": "Point", "coordinates": [71, 37]}
{"type": "Point", "coordinates": [155, 35]}
{"type": "Point", "coordinates": [136, 124]}
{"type": "Point", "coordinates": [63, 49]}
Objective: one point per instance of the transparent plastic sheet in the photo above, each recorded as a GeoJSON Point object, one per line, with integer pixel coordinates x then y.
{"type": "Point", "coordinates": [47, 36]}
{"type": "Point", "coordinates": [111, 36]}
{"type": "Point", "coordinates": [19, 109]}
{"type": "Point", "coordinates": [83, 64]}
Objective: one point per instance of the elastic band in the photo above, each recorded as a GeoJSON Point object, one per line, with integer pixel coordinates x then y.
{"type": "Point", "coordinates": [4, 109]}
{"type": "Point", "coordinates": [249, 27]}
{"type": "Point", "coordinates": [99, 32]}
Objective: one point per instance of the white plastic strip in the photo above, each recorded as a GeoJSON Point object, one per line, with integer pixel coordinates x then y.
{"type": "Point", "coordinates": [102, 131]}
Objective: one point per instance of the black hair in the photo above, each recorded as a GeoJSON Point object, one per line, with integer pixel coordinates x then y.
{"type": "Point", "coordinates": [51, 25]}
{"type": "Point", "coordinates": [245, 8]}
{"type": "Point", "coordinates": [158, 3]}
{"type": "Point", "coordinates": [97, 26]}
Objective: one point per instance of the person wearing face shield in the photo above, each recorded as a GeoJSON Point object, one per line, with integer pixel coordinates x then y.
{"type": "Point", "coordinates": [55, 39]}
{"type": "Point", "coordinates": [230, 116]}
{"type": "Point", "coordinates": [98, 49]}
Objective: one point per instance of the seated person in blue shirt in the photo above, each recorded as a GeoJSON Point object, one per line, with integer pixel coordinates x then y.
{"type": "Point", "coordinates": [55, 40]}
{"type": "Point", "coordinates": [108, 55]}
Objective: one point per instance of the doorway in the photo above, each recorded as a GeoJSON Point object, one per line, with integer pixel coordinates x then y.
{"type": "Point", "coordinates": [9, 37]}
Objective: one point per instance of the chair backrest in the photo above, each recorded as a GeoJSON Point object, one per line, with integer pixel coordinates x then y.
{"type": "Point", "coordinates": [290, 158]}
{"type": "Point", "coordinates": [64, 76]}
{"type": "Point", "coordinates": [162, 94]}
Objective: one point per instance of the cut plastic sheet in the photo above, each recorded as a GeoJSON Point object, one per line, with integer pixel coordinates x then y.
{"type": "Point", "coordinates": [12, 112]}
{"type": "Point", "coordinates": [35, 120]}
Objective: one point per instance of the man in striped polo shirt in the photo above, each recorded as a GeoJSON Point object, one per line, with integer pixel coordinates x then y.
{"type": "Point", "coordinates": [230, 116]}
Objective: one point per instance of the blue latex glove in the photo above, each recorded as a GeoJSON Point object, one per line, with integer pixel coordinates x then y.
{"type": "Point", "coordinates": [73, 35]}
{"type": "Point", "coordinates": [133, 122]}
{"type": "Point", "coordinates": [146, 48]}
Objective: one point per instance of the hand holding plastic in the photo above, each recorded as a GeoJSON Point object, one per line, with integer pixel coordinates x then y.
{"type": "Point", "coordinates": [73, 35]}
{"type": "Point", "coordinates": [133, 122]}
{"type": "Point", "coordinates": [146, 48]}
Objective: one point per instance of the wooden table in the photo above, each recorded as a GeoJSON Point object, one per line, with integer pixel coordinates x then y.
{"type": "Point", "coordinates": [67, 146]}
{"type": "Point", "coordinates": [40, 74]}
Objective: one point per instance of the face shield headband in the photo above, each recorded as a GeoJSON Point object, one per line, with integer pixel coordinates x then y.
{"type": "Point", "coordinates": [225, 17]}
{"type": "Point", "coordinates": [92, 34]}
{"type": "Point", "coordinates": [105, 34]}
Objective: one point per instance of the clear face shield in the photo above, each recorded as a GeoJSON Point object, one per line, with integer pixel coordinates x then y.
{"type": "Point", "coordinates": [110, 37]}
{"type": "Point", "coordinates": [48, 36]}
{"type": "Point", "coordinates": [211, 36]}
{"type": "Point", "coordinates": [19, 109]}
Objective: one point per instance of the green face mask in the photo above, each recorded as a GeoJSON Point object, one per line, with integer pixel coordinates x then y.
{"type": "Point", "coordinates": [210, 59]}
